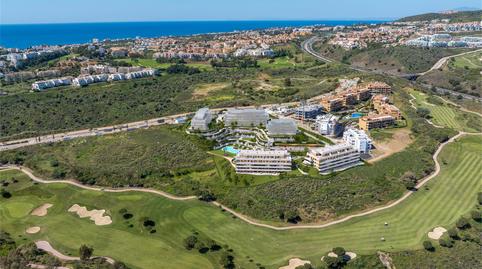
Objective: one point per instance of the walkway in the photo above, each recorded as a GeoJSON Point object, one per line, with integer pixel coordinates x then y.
{"type": "Point", "coordinates": [45, 246]}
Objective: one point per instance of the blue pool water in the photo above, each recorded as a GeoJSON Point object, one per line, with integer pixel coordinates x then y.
{"type": "Point", "coordinates": [230, 149]}
{"type": "Point", "coordinates": [356, 115]}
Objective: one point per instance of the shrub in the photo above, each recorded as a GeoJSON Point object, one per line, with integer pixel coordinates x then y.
{"type": "Point", "coordinates": [227, 261]}
{"type": "Point", "coordinates": [428, 245]}
{"type": "Point", "coordinates": [476, 215]}
{"type": "Point", "coordinates": [127, 216]}
{"type": "Point", "coordinates": [339, 251]}
{"type": "Point", "coordinates": [462, 223]}
{"type": "Point", "coordinates": [5, 194]}
{"type": "Point", "coordinates": [446, 242]}
{"type": "Point", "coordinates": [85, 252]}
{"type": "Point", "coordinates": [190, 242]}
{"type": "Point", "coordinates": [453, 233]}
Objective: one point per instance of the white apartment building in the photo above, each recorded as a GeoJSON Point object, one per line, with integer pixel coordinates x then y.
{"type": "Point", "coordinates": [246, 117]}
{"type": "Point", "coordinates": [328, 125]}
{"type": "Point", "coordinates": [262, 162]}
{"type": "Point", "coordinates": [201, 119]}
{"type": "Point", "coordinates": [332, 158]}
{"type": "Point", "coordinates": [358, 139]}
{"type": "Point", "coordinates": [51, 83]}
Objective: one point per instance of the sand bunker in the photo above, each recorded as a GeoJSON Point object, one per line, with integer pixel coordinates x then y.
{"type": "Point", "coordinates": [293, 263]}
{"type": "Point", "coordinates": [95, 215]}
{"type": "Point", "coordinates": [33, 230]}
{"type": "Point", "coordinates": [352, 255]}
{"type": "Point", "coordinates": [41, 210]}
{"type": "Point", "coordinates": [436, 233]}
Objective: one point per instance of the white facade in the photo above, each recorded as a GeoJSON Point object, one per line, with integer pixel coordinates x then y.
{"type": "Point", "coordinates": [51, 83]}
{"type": "Point", "coordinates": [246, 117]}
{"type": "Point", "coordinates": [201, 119]}
{"type": "Point", "coordinates": [332, 158]}
{"type": "Point", "coordinates": [358, 139]}
{"type": "Point", "coordinates": [262, 162]}
{"type": "Point", "coordinates": [328, 125]}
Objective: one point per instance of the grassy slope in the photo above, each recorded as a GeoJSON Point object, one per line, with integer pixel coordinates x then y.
{"type": "Point", "coordinates": [447, 115]}
{"type": "Point", "coordinates": [438, 204]}
{"type": "Point", "coordinates": [464, 16]}
{"type": "Point", "coordinates": [462, 74]}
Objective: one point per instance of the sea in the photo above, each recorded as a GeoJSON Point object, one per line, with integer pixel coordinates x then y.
{"type": "Point", "coordinates": [27, 35]}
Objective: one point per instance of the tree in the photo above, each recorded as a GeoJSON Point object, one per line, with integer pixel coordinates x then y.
{"type": "Point", "coordinates": [453, 233]}
{"type": "Point", "coordinates": [287, 82]}
{"type": "Point", "coordinates": [85, 252]}
{"type": "Point", "coordinates": [462, 223]}
{"type": "Point", "coordinates": [448, 243]}
{"type": "Point", "coordinates": [190, 242]}
{"type": "Point", "coordinates": [423, 112]}
{"type": "Point", "coordinates": [476, 215]}
{"type": "Point", "coordinates": [428, 245]}
{"type": "Point", "coordinates": [333, 262]}
{"type": "Point", "coordinates": [227, 261]}
{"type": "Point", "coordinates": [339, 251]}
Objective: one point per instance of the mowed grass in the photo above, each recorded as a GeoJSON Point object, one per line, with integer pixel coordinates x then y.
{"type": "Point", "coordinates": [471, 61]}
{"type": "Point", "coordinates": [447, 115]}
{"type": "Point", "coordinates": [448, 196]}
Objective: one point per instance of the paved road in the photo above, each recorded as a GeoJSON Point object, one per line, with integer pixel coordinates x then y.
{"type": "Point", "coordinates": [247, 219]}
{"type": "Point", "coordinates": [443, 60]}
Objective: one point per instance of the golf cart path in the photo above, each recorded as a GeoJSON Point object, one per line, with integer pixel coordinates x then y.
{"type": "Point", "coordinates": [246, 219]}
{"type": "Point", "coordinates": [45, 246]}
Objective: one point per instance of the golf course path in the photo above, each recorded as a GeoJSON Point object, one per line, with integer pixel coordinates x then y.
{"type": "Point", "coordinates": [247, 219]}
{"type": "Point", "coordinates": [45, 246]}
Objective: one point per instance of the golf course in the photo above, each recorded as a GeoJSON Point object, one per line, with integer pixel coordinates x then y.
{"type": "Point", "coordinates": [447, 115]}
{"type": "Point", "coordinates": [438, 203]}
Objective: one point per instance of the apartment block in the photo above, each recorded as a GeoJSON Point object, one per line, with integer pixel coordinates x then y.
{"type": "Point", "coordinates": [308, 112]}
{"type": "Point", "coordinates": [378, 87]}
{"type": "Point", "coordinates": [358, 139]}
{"type": "Point", "coordinates": [332, 158]}
{"type": "Point", "coordinates": [375, 121]}
{"type": "Point", "coordinates": [328, 125]}
{"type": "Point", "coordinates": [201, 119]}
{"type": "Point", "coordinates": [249, 117]}
{"type": "Point", "coordinates": [331, 104]}
{"type": "Point", "coordinates": [262, 162]}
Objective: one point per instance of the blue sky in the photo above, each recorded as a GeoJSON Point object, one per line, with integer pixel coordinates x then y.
{"type": "Point", "coordinates": [58, 11]}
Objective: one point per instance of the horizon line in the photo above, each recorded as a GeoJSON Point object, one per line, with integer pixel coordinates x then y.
{"type": "Point", "coordinates": [210, 20]}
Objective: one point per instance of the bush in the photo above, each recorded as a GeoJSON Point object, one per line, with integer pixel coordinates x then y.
{"type": "Point", "coordinates": [446, 242]}
{"type": "Point", "coordinates": [85, 252]}
{"type": "Point", "coordinates": [453, 233]}
{"type": "Point", "coordinates": [5, 194]}
{"type": "Point", "coordinates": [339, 251]}
{"type": "Point", "coordinates": [190, 242]}
{"type": "Point", "coordinates": [227, 261]}
{"type": "Point", "coordinates": [462, 223]}
{"type": "Point", "coordinates": [476, 215]}
{"type": "Point", "coordinates": [428, 245]}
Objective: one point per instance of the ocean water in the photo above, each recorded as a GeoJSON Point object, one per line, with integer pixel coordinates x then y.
{"type": "Point", "coordinates": [26, 35]}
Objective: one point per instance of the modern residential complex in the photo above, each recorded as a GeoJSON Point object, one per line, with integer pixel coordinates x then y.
{"type": "Point", "coordinates": [51, 83]}
{"type": "Point", "coordinates": [333, 158]}
{"type": "Point", "coordinates": [328, 125]}
{"type": "Point", "coordinates": [308, 112]}
{"type": "Point", "coordinates": [375, 121]}
{"type": "Point", "coordinates": [358, 139]}
{"type": "Point", "coordinates": [262, 162]}
{"type": "Point", "coordinates": [248, 117]}
{"type": "Point", "coordinates": [282, 129]}
{"type": "Point", "coordinates": [201, 120]}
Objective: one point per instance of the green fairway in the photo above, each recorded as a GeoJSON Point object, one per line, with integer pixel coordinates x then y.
{"type": "Point", "coordinates": [439, 204]}
{"type": "Point", "coordinates": [471, 61]}
{"type": "Point", "coordinates": [447, 115]}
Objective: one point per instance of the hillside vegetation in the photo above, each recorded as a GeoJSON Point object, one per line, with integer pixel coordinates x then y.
{"type": "Point", "coordinates": [462, 16]}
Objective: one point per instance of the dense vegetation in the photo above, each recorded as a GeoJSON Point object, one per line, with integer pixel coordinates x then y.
{"type": "Point", "coordinates": [395, 60]}
{"type": "Point", "coordinates": [462, 16]}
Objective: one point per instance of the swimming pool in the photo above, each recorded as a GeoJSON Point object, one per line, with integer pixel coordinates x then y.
{"type": "Point", "coordinates": [230, 149]}
{"type": "Point", "coordinates": [356, 115]}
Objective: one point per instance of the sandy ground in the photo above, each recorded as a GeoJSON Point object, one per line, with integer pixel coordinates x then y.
{"type": "Point", "coordinates": [45, 246]}
{"type": "Point", "coordinates": [436, 233]}
{"type": "Point", "coordinates": [352, 255]}
{"type": "Point", "coordinates": [40, 266]}
{"type": "Point", "coordinates": [293, 263]}
{"type": "Point", "coordinates": [41, 211]}
{"type": "Point", "coordinates": [400, 140]}
{"type": "Point", "coordinates": [33, 230]}
{"type": "Point", "coordinates": [95, 215]}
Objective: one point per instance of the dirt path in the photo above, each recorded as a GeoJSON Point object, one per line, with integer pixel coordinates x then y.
{"type": "Point", "coordinates": [45, 246]}
{"type": "Point", "coordinates": [246, 218]}
{"type": "Point", "coordinates": [400, 140]}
